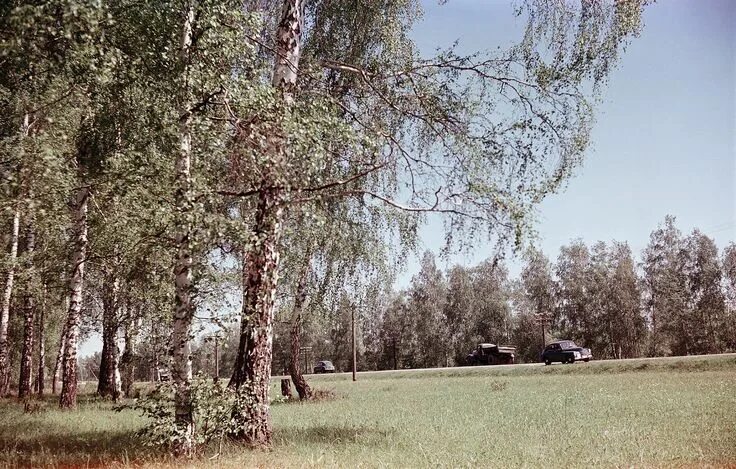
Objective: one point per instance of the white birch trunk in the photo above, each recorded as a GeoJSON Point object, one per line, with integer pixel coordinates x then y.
{"type": "Point", "coordinates": [5, 313]}
{"type": "Point", "coordinates": [288, 47]}
{"type": "Point", "coordinates": [261, 271]}
{"type": "Point", "coordinates": [181, 371]}
{"type": "Point", "coordinates": [68, 398]}
{"type": "Point", "coordinates": [8, 292]}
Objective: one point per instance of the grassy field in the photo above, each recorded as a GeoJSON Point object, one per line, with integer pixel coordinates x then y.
{"type": "Point", "coordinates": [648, 413]}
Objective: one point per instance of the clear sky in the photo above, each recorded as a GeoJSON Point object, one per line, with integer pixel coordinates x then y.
{"type": "Point", "coordinates": [663, 142]}
{"type": "Point", "coordinates": [664, 138]}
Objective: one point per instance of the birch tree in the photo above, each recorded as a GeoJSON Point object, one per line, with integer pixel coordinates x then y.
{"type": "Point", "coordinates": [184, 306]}
{"type": "Point", "coordinates": [426, 299]}
{"type": "Point", "coordinates": [574, 310]}
{"type": "Point", "coordinates": [262, 258]}
{"type": "Point", "coordinates": [201, 75]}
{"type": "Point", "coordinates": [418, 130]}
{"type": "Point", "coordinates": [30, 88]}
{"type": "Point", "coordinates": [267, 113]}
{"type": "Point", "coordinates": [29, 312]}
{"type": "Point", "coordinates": [68, 396]}
{"type": "Point", "coordinates": [665, 288]}
{"type": "Point", "coordinates": [622, 309]}
{"type": "Point", "coordinates": [706, 316]}
{"type": "Point", "coordinates": [5, 311]}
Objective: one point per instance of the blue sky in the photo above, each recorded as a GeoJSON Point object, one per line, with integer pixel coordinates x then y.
{"type": "Point", "coordinates": [663, 142]}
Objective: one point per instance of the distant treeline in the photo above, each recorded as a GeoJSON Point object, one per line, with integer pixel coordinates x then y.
{"type": "Point", "coordinates": [679, 298]}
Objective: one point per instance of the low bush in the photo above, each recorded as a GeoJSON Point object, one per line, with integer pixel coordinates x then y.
{"type": "Point", "coordinates": [212, 406]}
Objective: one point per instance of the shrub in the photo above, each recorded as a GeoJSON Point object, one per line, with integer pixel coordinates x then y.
{"type": "Point", "coordinates": [212, 406]}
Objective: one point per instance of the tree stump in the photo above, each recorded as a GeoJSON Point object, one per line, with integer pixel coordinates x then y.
{"type": "Point", "coordinates": [286, 388]}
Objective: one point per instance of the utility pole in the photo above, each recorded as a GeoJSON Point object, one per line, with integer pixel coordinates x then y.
{"type": "Point", "coordinates": [544, 320]}
{"type": "Point", "coordinates": [216, 339]}
{"type": "Point", "coordinates": [155, 375]}
{"type": "Point", "coordinates": [544, 337]}
{"type": "Point", "coordinates": [355, 355]}
{"type": "Point", "coordinates": [217, 360]}
{"type": "Point", "coordinates": [305, 351]}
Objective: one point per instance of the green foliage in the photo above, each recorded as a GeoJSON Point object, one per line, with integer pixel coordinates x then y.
{"type": "Point", "coordinates": [684, 298]}
{"type": "Point", "coordinates": [212, 407]}
{"type": "Point", "coordinates": [599, 299]}
{"type": "Point", "coordinates": [378, 138]}
{"type": "Point", "coordinates": [680, 300]}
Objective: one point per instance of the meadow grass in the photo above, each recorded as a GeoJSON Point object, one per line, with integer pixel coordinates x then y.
{"type": "Point", "coordinates": [649, 413]}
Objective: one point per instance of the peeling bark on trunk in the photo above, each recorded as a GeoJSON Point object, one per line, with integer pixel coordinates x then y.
{"type": "Point", "coordinates": [8, 292]}
{"type": "Point", "coordinates": [184, 307]}
{"type": "Point", "coordinates": [29, 310]}
{"type": "Point", "coordinates": [5, 312]}
{"type": "Point", "coordinates": [286, 388]}
{"type": "Point", "coordinates": [41, 374]}
{"type": "Point", "coordinates": [301, 385]}
{"type": "Point", "coordinates": [288, 47]}
{"type": "Point", "coordinates": [252, 374]}
{"type": "Point", "coordinates": [109, 377]}
{"type": "Point", "coordinates": [68, 398]}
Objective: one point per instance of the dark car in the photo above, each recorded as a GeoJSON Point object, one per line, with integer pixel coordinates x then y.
{"type": "Point", "coordinates": [565, 351]}
{"type": "Point", "coordinates": [324, 366]}
{"type": "Point", "coordinates": [491, 354]}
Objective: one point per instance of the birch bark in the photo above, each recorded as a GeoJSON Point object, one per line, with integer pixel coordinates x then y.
{"type": "Point", "coordinates": [253, 373]}
{"type": "Point", "coordinates": [184, 308]}
{"type": "Point", "coordinates": [9, 279]}
{"type": "Point", "coordinates": [68, 398]}
{"type": "Point", "coordinates": [5, 312]}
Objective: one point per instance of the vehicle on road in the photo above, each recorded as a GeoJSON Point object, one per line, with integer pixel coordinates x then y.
{"type": "Point", "coordinates": [491, 354]}
{"type": "Point", "coordinates": [162, 374]}
{"type": "Point", "coordinates": [324, 366]}
{"type": "Point", "coordinates": [565, 351]}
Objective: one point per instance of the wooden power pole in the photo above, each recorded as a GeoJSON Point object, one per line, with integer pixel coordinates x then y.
{"type": "Point", "coordinates": [545, 320]}
{"type": "Point", "coordinates": [217, 360]}
{"type": "Point", "coordinates": [355, 354]}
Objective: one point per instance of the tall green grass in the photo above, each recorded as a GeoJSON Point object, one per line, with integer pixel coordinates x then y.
{"type": "Point", "coordinates": [667, 413]}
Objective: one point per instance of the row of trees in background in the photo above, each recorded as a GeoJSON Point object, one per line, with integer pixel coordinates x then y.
{"type": "Point", "coordinates": [159, 159]}
{"type": "Point", "coordinates": [678, 298]}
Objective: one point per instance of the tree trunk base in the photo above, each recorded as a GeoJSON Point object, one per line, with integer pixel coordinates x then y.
{"type": "Point", "coordinates": [286, 388]}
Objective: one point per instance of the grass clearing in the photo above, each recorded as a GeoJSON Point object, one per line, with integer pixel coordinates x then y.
{"type": "Point", "coordinates": [671, 412]}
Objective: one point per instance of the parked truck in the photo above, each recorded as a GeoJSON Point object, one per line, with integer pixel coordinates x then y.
{"type": "Point", "coordinates": [491, 354]}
